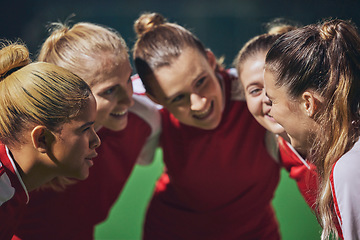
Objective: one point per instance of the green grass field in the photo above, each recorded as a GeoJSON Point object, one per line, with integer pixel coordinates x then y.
{"type": "Point", "coordinates": [296, 220]}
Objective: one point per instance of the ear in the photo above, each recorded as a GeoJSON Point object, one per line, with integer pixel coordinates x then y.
{"type": "Point", "coordinates": [40, 138]}
{"type": "Point", "coordinates": [152, 98]}
{"type": "Point", "coordinates": [211, 58]}
{"type": "Point", "coordinates": [310, 103]}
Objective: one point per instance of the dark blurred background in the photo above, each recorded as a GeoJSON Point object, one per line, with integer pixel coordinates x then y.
{"type": "Point", "coordinates": [224, 26]}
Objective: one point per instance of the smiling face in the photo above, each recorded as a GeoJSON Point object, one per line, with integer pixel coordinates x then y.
{"type": "Point", "coordinates": [74, 146]}
{"type": "Point", "coordinates": [252, 79]}
{"type": "Point", "coordinates": [110, 82]}
{"type": "Point", "coordinates": [293, 115]}
{"type": "Point", "coordinates": [190, 90]}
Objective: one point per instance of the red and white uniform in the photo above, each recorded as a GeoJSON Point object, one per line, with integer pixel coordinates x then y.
{"type": "Point", "coordinates": [303, 172]}
{"type": "Point", "coordinates": [345, 183]}
{"type": "Point", "coordinates": [74, 212]}
{"type": "Point", "coordinates": [13, 195]}
{"type": "Point", "coordinates": [219, 183]}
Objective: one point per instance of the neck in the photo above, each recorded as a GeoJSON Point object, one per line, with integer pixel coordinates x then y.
{"type": "Point", "coordinates": [33, 171]}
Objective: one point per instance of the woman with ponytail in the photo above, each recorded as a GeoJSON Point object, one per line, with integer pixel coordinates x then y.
{"type": "Point", "coordinates": [219, 178]}
{"type": "Point", "coordinates": [47, 119]}
{"type": "Point", "coordinates": [312, 78]}
{"type": "Point", "coordinates": [127, 123]}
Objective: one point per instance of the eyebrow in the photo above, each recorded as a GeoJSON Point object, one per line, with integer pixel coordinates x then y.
{"type": "Point", "coordinates": [88, 124]}
{"type": "Point", "coordinates": [254, 83]}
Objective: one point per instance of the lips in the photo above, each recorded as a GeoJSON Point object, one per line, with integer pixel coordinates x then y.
{"type": "Point", "coordinates": [205, 113]}
{"type": "Point", "coordinates": [90, 159]}
{"type": "Point", "coordinates": [94, 155]}
{"type": "Point", "coordinates": [119, 114]}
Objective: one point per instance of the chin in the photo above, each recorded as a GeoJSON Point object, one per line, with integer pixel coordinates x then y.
{"type": "Point", "coordinates": [208, 126]}
{"type": "Point", "coordinates": [277, 130]}
{"type": "Point", "coordinates": [83, 175]}
{"type": "Point", "coordinates": [273, 127]}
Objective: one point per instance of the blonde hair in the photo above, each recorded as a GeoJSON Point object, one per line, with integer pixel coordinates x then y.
{"type": "Point", "coordinates": [261, 43]}
{"type": "Point", "coordinates": [35, 93]}
{"type": "Point", "coordinates": [323, 57]}
{"type": "Point", "coordinates": [72, 47]}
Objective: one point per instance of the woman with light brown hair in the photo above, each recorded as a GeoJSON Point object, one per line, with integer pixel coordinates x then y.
{"type": "Point", "coordinates": [250, 63]}
{"type": "Point", "coordinates": [47, 119]}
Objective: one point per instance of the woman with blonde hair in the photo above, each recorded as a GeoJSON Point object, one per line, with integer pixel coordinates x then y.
{"type": "Point", "coordinates": [47, 119]}
{"type": "Point", "coordinates": [128, 125]}
{"type": "Point", "coordinates": [312, 78]}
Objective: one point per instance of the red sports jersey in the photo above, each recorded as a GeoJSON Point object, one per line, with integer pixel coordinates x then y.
{"type": "Point", "coordinates": [303, 172]}
{"type": "Point", "coordinates": [13, 195]}
{"type": "Point", "coordinates": [73, 213]}
{"type": "Point", "coordinates": [219, 183]}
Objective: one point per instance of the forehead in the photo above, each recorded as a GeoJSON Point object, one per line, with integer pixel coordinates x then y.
{"type": "Point", "coordinates": [252, 70]}
{"type": "Point", "coordinates": [182, 71]}
{"type": "Point", "coordinates": [107, 68]}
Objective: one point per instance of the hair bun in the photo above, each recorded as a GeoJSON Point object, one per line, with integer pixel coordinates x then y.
{"type": "Point", "coordinates": [329, 29]}
{"type": "Point", "coordinates": [147, 22]}
{"type": "Point", "coordinates": [280, 26]}
{"type": "Point", "coordinates": [12, 58]}
{"type": "Point", "coordinates": [281, 29]}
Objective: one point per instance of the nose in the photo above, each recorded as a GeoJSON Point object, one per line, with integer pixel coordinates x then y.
{"type": "Point", "coordinates": [265, 99]}
{"type": "Point", "coordinates": [197, 102]}
{"type": "Point", "coordinates": [126, 100]}
{"type": "Point", "coordinates": [95, 140]}
{"type": "Point", "coordinates": [125, 97]}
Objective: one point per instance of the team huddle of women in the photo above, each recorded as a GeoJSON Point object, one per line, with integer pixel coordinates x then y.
{"type": "Point", "coordinates": [74, 123]}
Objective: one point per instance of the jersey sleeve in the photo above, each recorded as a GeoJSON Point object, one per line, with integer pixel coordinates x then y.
{"type": "Point", "coordinates": [149, 112]}
{"type": "Point", "coordinates": [303, 172]}
{"type": "Point", "coordinates": [345, 183]}
{"type": "Point", "coordinates": [137, 84]}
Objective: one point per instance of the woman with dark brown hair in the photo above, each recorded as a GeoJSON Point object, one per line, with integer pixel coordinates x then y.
{"type": "Point", "coordinates": [312, 78]}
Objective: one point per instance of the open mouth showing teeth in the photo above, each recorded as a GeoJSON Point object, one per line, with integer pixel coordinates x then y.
{"type": "Point", "coordinates": [205, 113]}
{"type": "Point", "coordinates": [119, 114]}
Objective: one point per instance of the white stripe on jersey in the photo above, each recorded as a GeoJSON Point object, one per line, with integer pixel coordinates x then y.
{"type": "Point", "coordinates": [149, 112]}
{"type": "Point", "coordinates": [346, 191]}
{"type": "Point", "coordinates": [6, 190]}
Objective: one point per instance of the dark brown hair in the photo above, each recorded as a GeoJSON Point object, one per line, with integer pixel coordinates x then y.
{"type": "Point", "coordinates": [159, 43]}
{"type": "Point", "coordinates": [325, 58]}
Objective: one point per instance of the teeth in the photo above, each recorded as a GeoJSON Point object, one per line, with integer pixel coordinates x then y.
{"type": "Point", "coordinates": [203, 113]}
{"type": "Point", "coordinates": [119, 113]}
